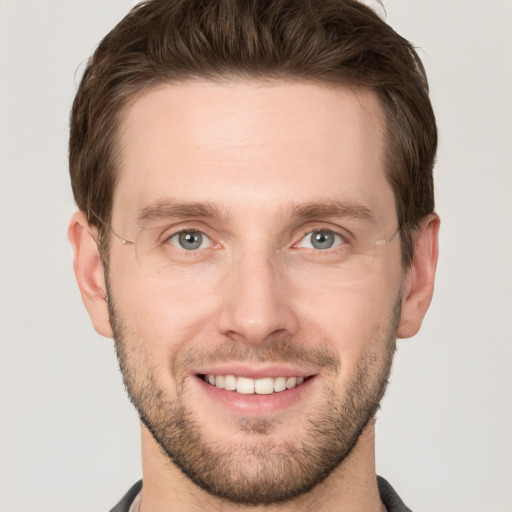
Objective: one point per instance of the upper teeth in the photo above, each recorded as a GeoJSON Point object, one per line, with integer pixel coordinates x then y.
{"type": "Point", "coordinates": [246, 386]}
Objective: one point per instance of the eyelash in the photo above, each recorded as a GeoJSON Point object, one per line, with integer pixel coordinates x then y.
{"type": "Point", "coordinates": [340, 240]}
{"type": "Point", "coordinates": [168, 240]}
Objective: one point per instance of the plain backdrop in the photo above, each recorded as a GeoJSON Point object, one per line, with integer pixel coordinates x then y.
{"type": "Point", "coordinates": [69, 439]}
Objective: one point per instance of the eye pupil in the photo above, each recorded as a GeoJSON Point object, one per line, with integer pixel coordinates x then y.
{"type": "Point", "coordinates": [190, 240]}
{"type": "Point", "coordinates": [322, 239]}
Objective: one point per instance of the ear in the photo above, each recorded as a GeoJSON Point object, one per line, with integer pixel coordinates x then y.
{"type": "Point", "coordinates": [89, 274]}
{"type": "Point", "coordinates": [419, 281]}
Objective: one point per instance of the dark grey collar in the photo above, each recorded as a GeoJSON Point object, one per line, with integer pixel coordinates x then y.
{"type": "Point", "coordinates": [388, 495]}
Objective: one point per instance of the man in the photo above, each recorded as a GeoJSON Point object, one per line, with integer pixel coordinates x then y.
{"type": "Point", "coordinates": [255, 230]}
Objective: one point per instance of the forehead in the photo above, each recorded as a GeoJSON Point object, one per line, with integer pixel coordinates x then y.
{"type": "Point", "coordinates": [252, 144]}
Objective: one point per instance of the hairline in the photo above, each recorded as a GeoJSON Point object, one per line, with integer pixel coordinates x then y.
{"type": "Point", "coordinates": [233, 77]}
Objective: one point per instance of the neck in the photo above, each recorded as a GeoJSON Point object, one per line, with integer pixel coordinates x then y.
{"type": "Point", "coordinates": [352, 486]}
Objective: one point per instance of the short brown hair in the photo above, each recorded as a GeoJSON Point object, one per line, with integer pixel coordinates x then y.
{"type": "Point", "coordinates": [330, 41]}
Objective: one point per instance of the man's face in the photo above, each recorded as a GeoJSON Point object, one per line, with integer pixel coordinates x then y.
{"type": "Point", "coordinates": [255, 209]}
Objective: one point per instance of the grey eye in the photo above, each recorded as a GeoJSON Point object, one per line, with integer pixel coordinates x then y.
{"type": "Point", "coordinates": [190, 240]}
{"type": "Point", "coordinates": [321, 239]}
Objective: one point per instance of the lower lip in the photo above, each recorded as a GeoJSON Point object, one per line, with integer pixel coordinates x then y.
{"type": "Point", "coordinates": [255, 405]}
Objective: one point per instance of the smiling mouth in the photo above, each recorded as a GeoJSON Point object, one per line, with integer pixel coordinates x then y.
{"type": "Point", "coordinates": [247, 386]}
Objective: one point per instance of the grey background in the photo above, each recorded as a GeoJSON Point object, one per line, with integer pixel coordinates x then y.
{"type": "Point", "coordinates": [68, 436]}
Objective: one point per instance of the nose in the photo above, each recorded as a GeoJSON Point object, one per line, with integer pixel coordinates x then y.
{"type": "Point", "coordinates": [257, 305]}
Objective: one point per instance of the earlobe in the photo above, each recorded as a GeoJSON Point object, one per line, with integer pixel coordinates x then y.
{"type": "Point", "coordinates": [419, 282]}
{"type": "Point", "coordinates": [89, 274]}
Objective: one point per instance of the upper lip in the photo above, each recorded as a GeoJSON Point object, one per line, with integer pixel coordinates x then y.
{"type": "Point", "coordinates": [256, 370]}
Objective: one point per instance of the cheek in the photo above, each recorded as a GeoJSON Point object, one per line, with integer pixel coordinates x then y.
{"type": "Point", "coordinates": [169, 313]}
{"type": "Point", "coordinates": [350, 317]}
{"type": "Point", "coordinates": [162, 309]}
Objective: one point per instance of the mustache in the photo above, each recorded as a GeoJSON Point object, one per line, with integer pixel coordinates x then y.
{"type": "Point", "coordinates": [283, 351]}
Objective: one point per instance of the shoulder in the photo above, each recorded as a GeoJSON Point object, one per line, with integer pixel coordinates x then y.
{"type": "Point", "coordinates": [125, 503]}
{"type": "Point", "coordinates": [390, 498]}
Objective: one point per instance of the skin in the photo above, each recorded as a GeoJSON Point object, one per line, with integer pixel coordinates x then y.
{"type": "Point", "coordinates": [254, 151]}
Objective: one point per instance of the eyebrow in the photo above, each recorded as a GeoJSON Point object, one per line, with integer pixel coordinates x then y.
{"type": "Point", "coordinates": [334, 209]}
{"type": "Point", "coordinates": [168, 208]}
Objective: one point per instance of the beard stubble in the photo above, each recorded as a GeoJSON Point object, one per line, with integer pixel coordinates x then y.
{"type": "Point", "coordinates": [262, 470]}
